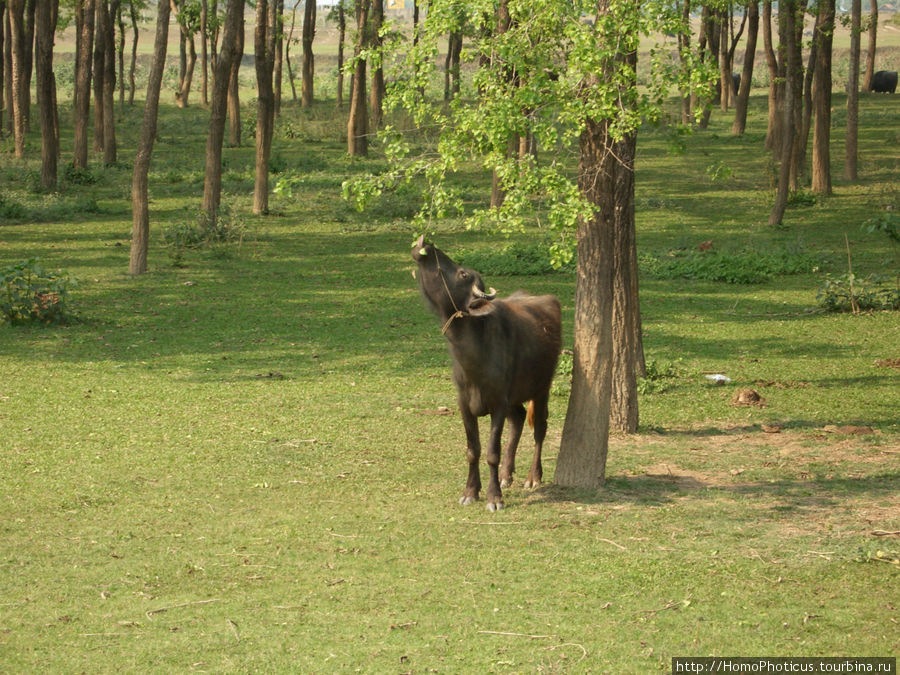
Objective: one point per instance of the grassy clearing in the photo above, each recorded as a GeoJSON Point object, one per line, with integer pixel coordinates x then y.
{"type": "Point", "coordinates": [243, 462]}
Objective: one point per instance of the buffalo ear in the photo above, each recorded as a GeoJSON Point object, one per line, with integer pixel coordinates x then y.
{"type": "Point", "coordinates": [481, 307]}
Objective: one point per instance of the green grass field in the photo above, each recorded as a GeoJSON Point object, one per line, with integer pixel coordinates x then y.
{"type": "Point", "coordinates": [248, 459]}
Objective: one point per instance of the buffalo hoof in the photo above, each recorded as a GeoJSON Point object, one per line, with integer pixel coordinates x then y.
{"type": "Point", "coordinates": [532, 484]}
{"type": "Point", "coordinates": [505, 483]}
{"type": "Point", "coordinates": [494, 506]}
{"type": "Point", "coordinates": [465, 500]}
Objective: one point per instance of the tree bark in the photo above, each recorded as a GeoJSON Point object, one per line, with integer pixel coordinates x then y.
{"type": "Point", "coordinates": [742, 99]}
{"type": "Point", "coordinates": [134, 45]}
{"type": "Point", "coordinates": [45, 24]}
{"type": "Point", "coordinates": [851, 141]}
{"type": "Point", "coordinates": [342, 31]}
{"type": "Point", "coordinates": [109, 85]}
{"type": "Point", "coordinates": [84, 21]}
{"type": "Point", "coordinates": [231, 48]}
{"type": "Point", "coordinates": [204, 59]}
{"type": "Point", "coordinates": [787, 17]}
{"type": "Point", "coordinates": [279, 55]}
{"type": "Point", "coordinates": [821, 161]}
{"type": "Point", "coordinates": [684, 47]}
{"type": "Point", "coordinates": [358, 120]}
{"type": "Point", "coordinates": [140, 208]}
{"type": "Point", "coordinates": [100, 11]}
{"type": "Point", "coordinates": [234, 99]}
{"type": "Point", "coordinates": [873, 39]}
{"type": "Point", "coordinates": [3, 61]}
{"type": "Point", "coordinates": [776, 83]}
{"type": "Point", "coordinates": [16, 11]}
{"type": "Point", "coordinates": [264, 48]}
{"type": "Point", "coordinates": [309, 68]}
{"type": "Point", "coordinates": [287, 54]}
{"type": "Point", "coordinates": [376, 106]}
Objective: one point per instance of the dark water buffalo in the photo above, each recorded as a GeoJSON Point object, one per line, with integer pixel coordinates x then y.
{"type": "Point", "coordinates": [735, 82]}
{"type": "Point", "coordinates": [504, 354]}
{"type": "Point", "coordinates": [884, 82]}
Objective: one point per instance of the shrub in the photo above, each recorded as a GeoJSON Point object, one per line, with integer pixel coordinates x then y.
{"type": "Point", "coordinates": [28, 293]}
{"type": "Point", "coordinates": [746, 266]}
{"type": "Point", "coordinates": [657, 377]}
{"type": "Point", "coordinates": [850, 293]}
{"type": "Point", "coordinates": [515, 258]}
{"type": "Point", "coordinates": [202, 232]}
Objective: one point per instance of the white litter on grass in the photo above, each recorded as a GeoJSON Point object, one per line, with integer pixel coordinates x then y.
{"type": "Point", "coordinates": [718, 378]}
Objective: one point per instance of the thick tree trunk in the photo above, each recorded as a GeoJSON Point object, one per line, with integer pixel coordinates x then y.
{"type": "Point", "coordinates": [20, 93]}
{"type": "Point", "coordinates": [873, 40]}
{"type": "Point", "coordinates": [358, 121]}
{"type": "Point", "coordinates": [264, 48]}
{"type": "Point", "coordinates": [231, 48]}
{"type": "Point", "coordinates": [376, 99]}
{"type": "Point", "coordinates": [851, 142]}
{"type": "Point", "coordinates": [84, 21]}
{"type": "Point", "coordinates": [309, 68]}
{"type": "Point", "coordinates": [742, 99]}
{"type": "Point", "coordinates": [45, 23]}
{"type": "Point", "coordinates": [821, 160]}
{"type": "Point", "coordinates": [140, 209]}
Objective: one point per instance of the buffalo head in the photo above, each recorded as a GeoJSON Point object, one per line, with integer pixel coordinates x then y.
{"type": "Point", "coordinates": [449, 288]}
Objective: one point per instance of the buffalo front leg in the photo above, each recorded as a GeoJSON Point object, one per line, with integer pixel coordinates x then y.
{"type": "Point", "coordinates": [473, 454]}
{"type": "Point", "coordinates": [516, 419]}
{"type": "Point", "coordinates": [494, 494]}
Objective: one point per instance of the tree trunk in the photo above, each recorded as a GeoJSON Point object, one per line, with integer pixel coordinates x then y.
{"type": "Point", "coordinates": [187, 61]}
{"type": "Point", "coordinates": [16, 10]}
{"type": "Point", "coordinates": [787, 18]}
{"type": "Point", "coordinates": [109, 85]}
{"type": "Point", "coordinates": [821, 162]}
{"type": "Point", "coordinates": [309, 68]}
{"type": "Point", "coordinates": [45, 23]}
{"type": "Point", "coordinates": [342, 31]}
{"type": "Point", "coordinates": [851, 142]}
{"type": "Point", "coordinates": [134, 46]}
{"type": "Point", "coordinates": [231, 48]}
{"type": "Point", "coordinates": [264, 48]}
{"type": "Point", "coordinates": [358, 121]}
{"type": "Point", "coordinates": [7, 70]}
{"type": "Point", "coordinates": [234, 99]}
{"type": "Point", "coordinates": [287, 54]}
{"type": "Point", "coordinates": [710, 44]}
{"type": "Point", "coordinates": [100, 11]}
{"type": "Point", "coordinates": [84, 21]}
{"type": "Point", "coordinates": [140, 208]}
{"type": "Point", "coordinates": [120, 56]}
{"type": "Point", "coordinates": [204, 59]}
{"type": "Point", "coordinates": [873, 39]}
{"type": "Point", "coordinates": [3, 61]}
{"type": "Point", "coordinates": [279, 54]}
{"type": "Point", "coordinates": [742, 99]}
{"type": "Point", "coordinates": [376, 106]}
{"type": "Point", "coordinates": [684, 48]}
{"type": "Point", "coordinates": [776, 83]}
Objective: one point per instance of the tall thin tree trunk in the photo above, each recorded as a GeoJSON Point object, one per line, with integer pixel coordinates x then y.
{"type": "Point", "coordinates": [742, 99]}
{"type": "Point", "coordinates": [84, 22]}
{"type": "Point", "coordinates": [377, 94]}
{"type": "Point", "coordinates": [851, 142]}
{"type": "Point", "coordinates": [140, 204]}
{"type": "Point", "coordinates": [264, 49]}
{"type": "Point", "coordinates": [16, 9]}
{"type": "Point", "coordinates": [204, 58]}
{"type": "Point", "coordinates": [684, 48]}
{"type": "Point", "coordinates": [776, 83]}
{"type": "Point", "coordinates": [287, 54]}
{"type": "Point", "coordinates": [234, 100]}
{"type": "Point", "coordinates": [120, 56]}
{"type": "Point", "coordinates": [100, 11]}
{"type": "Point", "coordinates": [232, 42]}
{"type": "Point", "coordinates": [45, 23]}
{"type": "Point", "coordinates": [279, 55]}
{"type": "Point", "coordinates": [342, 31]}
{"type": "Point", "coordinates": [787, 18]}
{"type": "Point", "coordinates": [309, 67]}
{"type": "Point", "coordinates": [7, 69]}
{"type": "Point", "coordinates": [109, 86]}
{"type": "Point", "coordinates": [821, 162]}
{"type": "Point", "coordinates": [873, 40]}
{"type": "Point", "coordinates": [134, 45]}
{"type": "Point", "coordinates": [358, 120]}
{"type": "Point", "coordinates": [3, 63]}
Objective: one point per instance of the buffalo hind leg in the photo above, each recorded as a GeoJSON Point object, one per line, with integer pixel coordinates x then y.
{"type": "Point", "coordinates": [538, 418]}
{"type": "Point", "coordinates": [473, 454]}
{"type": "Point", "coordinates": [516, 419]}
{"type": "Point", "coordinates": [494, 494]}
